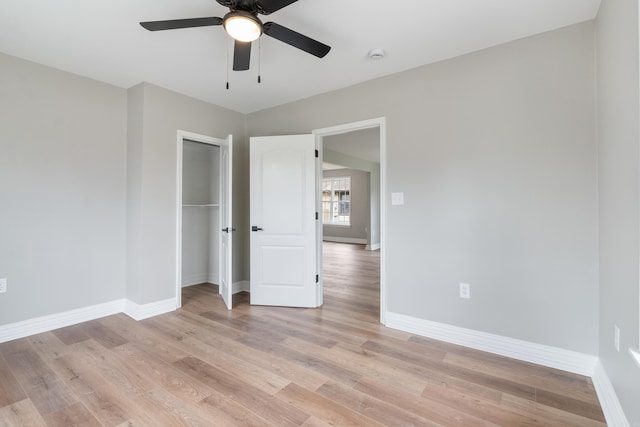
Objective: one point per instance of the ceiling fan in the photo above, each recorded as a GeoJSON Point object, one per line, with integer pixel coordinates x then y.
{"type": "Point", "coordinates": [244, 26]}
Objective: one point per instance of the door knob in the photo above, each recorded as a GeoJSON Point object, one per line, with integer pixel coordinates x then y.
{"type": "Point", "coordinates": [226, 229]}
{"type": "Point", "coordinates": [255, 228]}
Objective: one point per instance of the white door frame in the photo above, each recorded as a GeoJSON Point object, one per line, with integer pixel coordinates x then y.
{"type": "Point", "coordinates": [182, 135]}
{"type": "Point", "coordinates": [381, 124]}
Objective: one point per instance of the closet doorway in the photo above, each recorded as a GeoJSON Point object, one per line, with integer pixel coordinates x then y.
{"type": "Point", "coordinates": [203, 212]}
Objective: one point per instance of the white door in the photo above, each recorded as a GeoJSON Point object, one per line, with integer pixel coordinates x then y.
{"type": "Point", "coordinates": [226, 237]}
{"type": "Point", "coordinates": [283, 221]}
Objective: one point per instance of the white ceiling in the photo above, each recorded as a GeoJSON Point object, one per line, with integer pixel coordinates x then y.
{"type": "Point", "coordinates": [101, 39]}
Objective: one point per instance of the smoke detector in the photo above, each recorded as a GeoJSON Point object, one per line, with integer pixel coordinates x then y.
{"type": "Point", "coordinates": [376, 54]}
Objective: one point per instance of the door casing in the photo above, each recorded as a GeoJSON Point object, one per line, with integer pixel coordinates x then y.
{"type": "Point", "coordinates": [182, 135]}
{"type": "Point", "coordinates": [381, 124]}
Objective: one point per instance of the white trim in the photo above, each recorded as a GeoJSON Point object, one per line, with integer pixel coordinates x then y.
{"type": "Point", "coordinates": [144, 311]}
{"type": "Point", "coordinates": [242, 286]}
{"type": "Point", "coordinates": [344, 240]}
{"type": "Point", "coordinates": [195, 279]}
{"type": "Point", "coordinates": [372, 247]}
{"type": "Point", "coordinates": [381, 124]}
{"type": "Point", "coordinates": [635, 356]}
{"type": "Point", "coordinates": [611, 407]}
{"type": "Point", "coordinates": [41, 324]}
{"type": "Point", "coordinates": [553, 357]}
{"type": "Point", "coordinates": [319, 225]}
{"type": "Point", "coordinates": [51, 322]}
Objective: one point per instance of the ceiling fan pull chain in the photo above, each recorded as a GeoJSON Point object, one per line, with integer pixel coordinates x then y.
{"type": "Point", "coordinates": [259, 60]}
{"type": "Point", "coordinates": [227, 65]}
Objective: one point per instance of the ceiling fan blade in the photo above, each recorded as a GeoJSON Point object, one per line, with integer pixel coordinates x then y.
{"type": "Point", "coordinates": [296, 39]}
{"type": "Point", "coordinates": [174, 24]}
{"type": "Point", "coordinates": [227, 3]}
{"type": "Point", "coordinates": [241, 55]}
{"type": "Point", "coordinates": [266, 7]}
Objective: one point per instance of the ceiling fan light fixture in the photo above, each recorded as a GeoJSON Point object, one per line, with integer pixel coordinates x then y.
{"type": "Point", "coordinates": [242, 26]}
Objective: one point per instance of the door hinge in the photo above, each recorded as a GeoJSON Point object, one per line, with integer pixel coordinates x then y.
{"type": "Point", "coordinates": [317, 278]}
{"type": "Point", "coordinates": [316, 216]}
{"type": "Point", "coordinates": [317, 154]}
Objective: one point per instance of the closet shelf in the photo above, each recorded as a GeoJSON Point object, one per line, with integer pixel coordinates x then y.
{"type": "Point", "coordinates": [208, 205]}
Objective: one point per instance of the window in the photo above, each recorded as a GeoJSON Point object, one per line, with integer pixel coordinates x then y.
{"type": "Point", "coordinates": [336, 201]}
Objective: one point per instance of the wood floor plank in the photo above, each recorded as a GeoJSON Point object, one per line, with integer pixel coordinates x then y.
{"type": "Point", "coordinates": [21, 413]}
{"type": "Point", "coordinates": [104, 399]}
{"type": "Point", "coordinates": [371, 407]}
{"type": "Point", "coordinates": [527, 373]}
{"type": "Point", "coordinates": [102, 334]}
{"type": "Point", "coordinates": [552, 416]}
{"type": "Point", "coordinates": [130, 381]}
{"type": "Point", "coordinates": [424, 408]}
{"type": "Point", "coordinates": [316, 329]}
{"type": "Point", "coordinates": [167, 410]}
{"type": "Point", "coordinates": [79, 376]}
{"type": "Point", "coordinates": [10, 389]}
{"type": "Point", "coordinates": [262, 404]}
{"type": "Point", "coordinates": [73, 415]}
{"type": "Point", "coordinates": [226, 412]}
{"type": "Point", "coordinates": [322, 366]}
{"type": "Point", "coordinates": [41, 384]}
{"type": "Point", "coordinates": [72, 334]}
{"type": "Point", "coordinates": [141, 336]}
{"type": "Point", "coordinates": [570, 404]}
{"type": "Point", "coordinates": [315, 422]}
{"type": "Point", "coordinates": [47, 345]}
{"type": "Point", "coordinates": [358, 364]}
{"type": "Point", "coordinates": [289, 330]}
{"type": "Point", "coordinates": [440, 370]}
{"type": "Point", "coordinates": [323, 408]}
{"type": "Point", "coordinates": [163, 374]}
{"type": "Point", "coordinates": [480, 408]}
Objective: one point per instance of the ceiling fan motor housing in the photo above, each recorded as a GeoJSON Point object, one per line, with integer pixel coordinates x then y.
{"type": "Point", "coordinates": [242, 25]}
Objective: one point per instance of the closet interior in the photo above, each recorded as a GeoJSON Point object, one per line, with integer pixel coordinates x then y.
{"type": "Point", "coordinates": [200, 213]}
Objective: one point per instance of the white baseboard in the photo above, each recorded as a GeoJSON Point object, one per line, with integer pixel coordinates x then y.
{"type": "Point", "coordinates": [613, 413]}
{"type": "Point", "coordinates": [372, 247]}
{"type": "Point", "coordinates": [344, 240]}
{"type": "Point", "coordinates": [144, 311]}
{"type": "Point", "coordinates": [194, 279]}
{"type": "Point", "coordinates": [553, 357]}
{"type": "Point", "coordinates": [242, 286]}
{"type": "Point", "coordinates": [42, 324]}
{"type": "Point", "coordinates": [51, 322]}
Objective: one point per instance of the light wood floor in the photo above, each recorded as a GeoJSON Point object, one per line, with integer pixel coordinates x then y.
{"type": "Point", "coordinates": [260, 366]}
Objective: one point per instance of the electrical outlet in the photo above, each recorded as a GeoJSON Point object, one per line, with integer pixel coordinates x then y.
{"type": "Point", "coordinates": [3, 285]}
{"type": "Point", "coordinates": [616, 337]}
{"type": "Point", "coordinates": [465, 290]}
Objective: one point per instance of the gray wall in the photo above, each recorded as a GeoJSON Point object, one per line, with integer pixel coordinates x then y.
{"type": "Point", "coordinates": [62, 190]}
{"type": "Point", "coordinates": [359, 206]}
{"type": "Point", "coordinates": [495, 152]}
{"type": "Point", "coordinates": [152, 238]}
{"type": "Point", "coordinates": [619, 173]}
